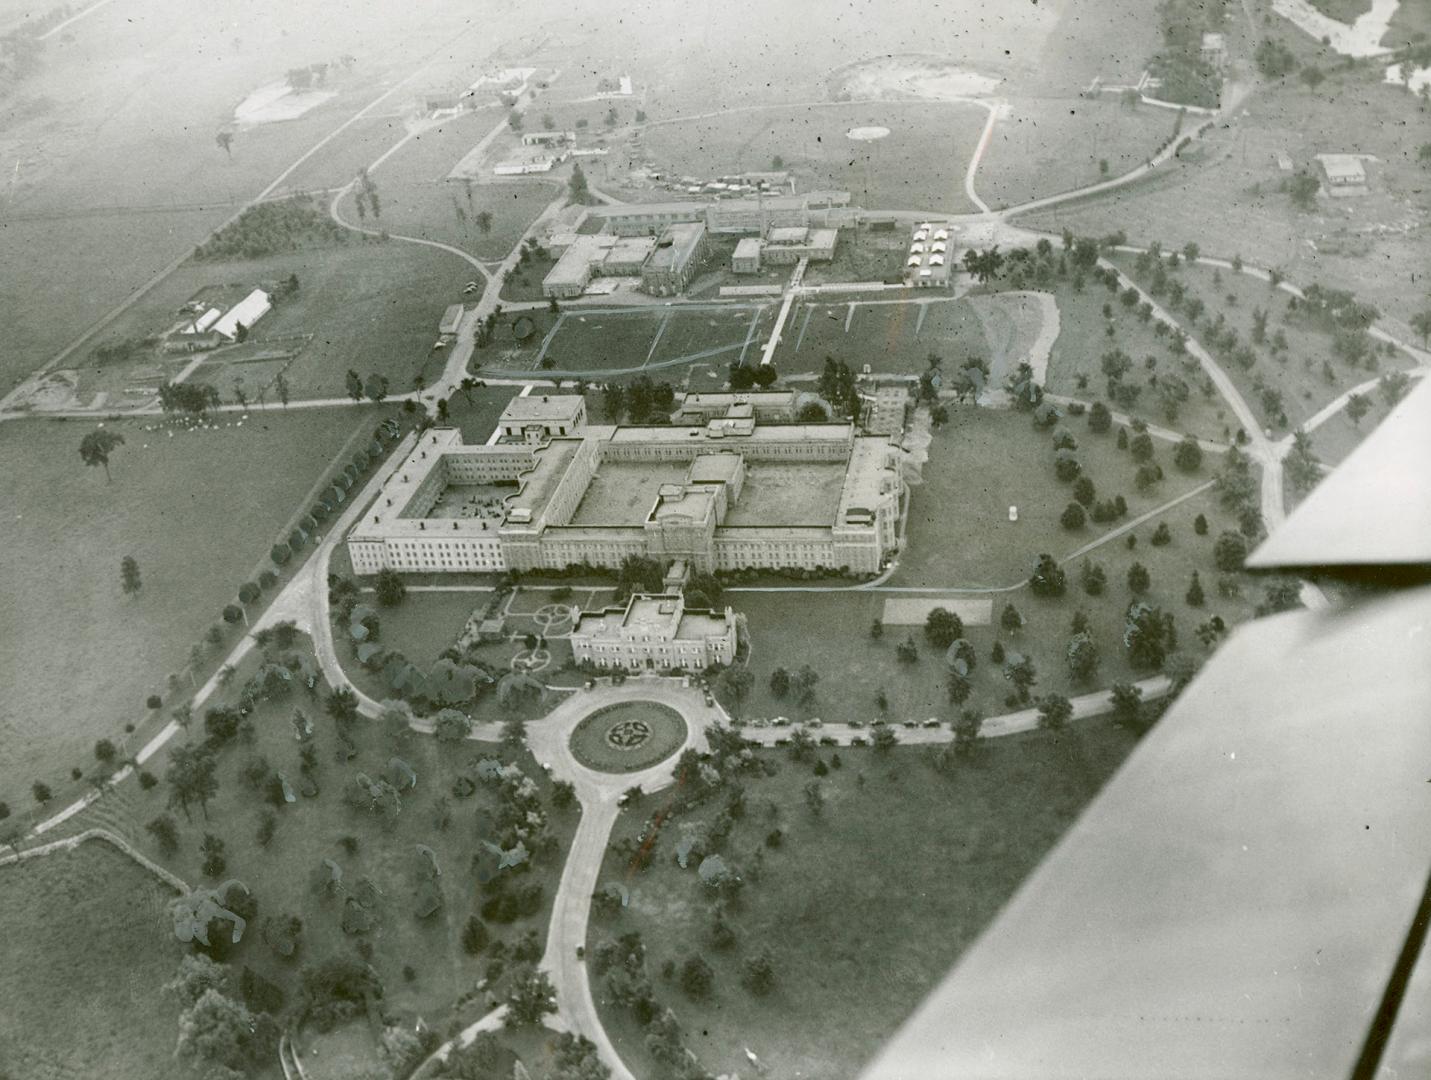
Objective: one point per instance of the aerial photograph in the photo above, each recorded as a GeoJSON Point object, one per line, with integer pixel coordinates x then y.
{"type": "Point", "coordinates": [653, 540]}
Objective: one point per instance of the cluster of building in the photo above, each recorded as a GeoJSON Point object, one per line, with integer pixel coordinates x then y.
{"type": "Point", "coordinates": [542, 151]}
{"type": "Point", "coordinates": [665, 263]}
{"type": "Point", "coordinates": [662, 242]}
{"type": "Point", "coordinates": [732, 484]}
{"type": "Point", "coordinates": [929, 259]}
{"type": "Point", "coordinates": [207, 325]}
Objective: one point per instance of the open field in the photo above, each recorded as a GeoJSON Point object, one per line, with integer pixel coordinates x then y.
{"type": "Point", "coordinates": [918, 166]}
{"type": "Point", "coordinates": [88, 944]}
{"type": "Point", "coordinates": [285, 874]}
{"type": "Point", "coordinates": [888, 336]}
{"type": "Point", "coordinates": [198, 512]}
{"type": "Point", "coordinates": [83, 227]}
{"type": "Point", "coordinates": [983, 462]}
{"type": "Point", "coordinates": [1042, 146]}
{"type": "Point", "coordinates": [1303, 377]}
{"type": "Point", "coordinates": [1228, 195]}
{"type": "Point", "coordinates": [863, 907]}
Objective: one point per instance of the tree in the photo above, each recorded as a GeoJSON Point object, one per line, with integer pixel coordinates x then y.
{"type": "Point", "coordinates": [765, 375]}
{"type": "Point", "coordinates": [1084, 492]}
{"type": "Point", "coordinates": [1393, 387]}
{"type": "Point", "coordinates": [1099, 418]}
{"type": "Point", "coordinates": [883, 739]}
{"type": "Point", "coordinates": [474, 936]}
{"type": "Point", "coordinates": [1194, 595]}
{"type": "Point", "coordinates": [191, 778]}
{"type": "Point", "coordinates": [578, 191]}
{"type": "Point", "coordinates": [1054, 712]}
{"type": "Point", "coordinates": [1188, 455]}
{"type": "Point", "coordinates": [96, 447]}
{"type": "Point", "coordinates": [877, 629]}
{"type": "Point", "coordinates": [1357, 407]}
{"type": "Point", "coordinates": [1048, 580]}
{"type": "Point", "coordinates": [734, 683]}
{"type": "Point", "coordinates": [390, 587]}
{"type": "Point", "coordinates": [1138, 579]}
{"type": "Point", "coordinates": [814, 798]}
{"type": "Point", "coordinates": [1083, 657]}
{"type": "Point", "coordinates": [1073, 517]}
{"type": "Point", "coordinates": [1020, 671]}
{"type": "Point", "coordinates": [1010, 619]}
{"type": "Point", "coordinates": [1140, 446]}
{"type": "Point", "coordinates": [219, 1035]}
{"type": "Point", "coordinates": [224, 140]}
{"type": "Point", "coordinates": [1229, 551]}
{"type": "Point", "coordinates": [213, 850]}
{"type": "Point", "coordinates": [1303, 189]}
{"type": "Point", "coordinates": [1200, 525]}
{"type": "Point", "coordinates": [1149, 636]}
{"type": "Point", "coordinates": [129, 575]}
{"type": "Point", "coordinates": [1421, 321]}
{"type": "Point", "coordinates": [1312, 75]}
{"type": "Point", "coordinates": [342, 706]}
{"type": "Point", "coordinates": [758, 972]}
{"type": "Point", "coordinates": [451, 726]}
{"type": "Point", "coordinates": [942, 627]}
{"type": "Point", "coordinates": [780, 682]}
{"type": "Point", "coordinates": [1127, 702]}
{"type": "Point", "coordinates": [280, 386]}
{"type": "Point", "coordinates": [696, 978]}
{"type": "Point", "coordinates": [376, 387]}
{"type": "Point", "coordinates": [104, 752]}
{"type": "Point", "coordinates": [354, 383]}
{"type": "Point", "coordinates": [1304, 471]}
{"type": "Point", "coordinates": [531, 996]}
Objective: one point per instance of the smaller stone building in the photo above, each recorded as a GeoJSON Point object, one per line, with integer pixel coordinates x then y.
{"type": "Point", "coordinates": [654, 632]}
{"type": "Point", "coordinates": [538, 417]}
{"type": "Point", "coordinates": [746, 259]}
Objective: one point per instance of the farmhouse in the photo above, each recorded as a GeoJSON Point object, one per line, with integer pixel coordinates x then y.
{"type": "Point", "coordinates": [727, 494]}
{"type": "Point", "coordinates": [654, 632]}
{"type": "Point", "coordinates": [245, 313]}
{"type": "Point", "coordinates": [1345, 174]}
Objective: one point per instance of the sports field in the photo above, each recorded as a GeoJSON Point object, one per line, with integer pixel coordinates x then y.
{"type": "Point", "coordinates": [590, 340]}
{"type": "Point", "coordinates": [889, 336]}
{"type": "Point", "coordinates": [918, 165]}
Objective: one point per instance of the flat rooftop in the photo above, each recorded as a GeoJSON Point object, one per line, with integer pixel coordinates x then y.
{"type": "Point", "coordinates": [867, 479]}
{"type": "Point", "coordinates": [696, 436]}
{"type": "Point", "coordinates": [623, 492]}
{"type": "Point", "coordinates": [552, 462]}
{"type": "Point", "coordinates": [677, 243]}
{"type": "Point", "coordinates": [800, 493]}
{"type": "Point", "coordinates": [535, 408]}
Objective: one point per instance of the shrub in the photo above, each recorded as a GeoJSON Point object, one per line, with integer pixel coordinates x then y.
{"type": "Point", "coordinates": [1229, 551]}
{"type": "Point", "coordinates": [154, 701]}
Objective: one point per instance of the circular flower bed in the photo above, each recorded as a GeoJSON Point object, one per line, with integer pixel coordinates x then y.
{"type": "Point", "coordinates": [628, 737]}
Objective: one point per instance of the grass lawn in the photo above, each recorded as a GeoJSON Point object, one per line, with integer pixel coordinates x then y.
{"type": "Point", "coordinates": [1346, 11]}
{"type": "Point", "coordinates": [864, 907]}
{"type": "Point", "coordinates": [1227, 194]}
{"type": "Point", "coordinates": [1043, 146]}
{"type": "Point", "coordinates": [986, 460]}
{"type": "Point", "coordinates": [919, 165]}
{"type": "Point", "coordinates": [282, 874]}
{"type": "Point", "coordinates": [854, 668]}
{"type": "Point", "coordinates": [426, 624]}
{"type": "Point", "coordinates": [628, 737]}
{"type": "Point", "coordinates": [889, 337]}
{"type": "Point", "coordinates": [860, 255]}
{"type": "Point", "coordinates": [88, 943]}
{"type": "Point", "coordinates": [1305, 376]}
{"type": "Point", "coordinates": [446, 210]}
{"type": "Point", "coordinates": [1075, 364]}
{"type": "Point", "coordinates": [198, 512]}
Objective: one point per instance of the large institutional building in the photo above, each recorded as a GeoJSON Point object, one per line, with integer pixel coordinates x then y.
{"type": "Point", "coordinates": [733, 486]}
{"type": "Point", "coordinates": [654, 632]}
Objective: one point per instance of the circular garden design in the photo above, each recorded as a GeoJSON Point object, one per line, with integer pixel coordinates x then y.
{"type": "Point", "coordinates": [628, 737]}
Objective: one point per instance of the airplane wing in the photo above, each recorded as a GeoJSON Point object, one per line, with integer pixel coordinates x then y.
{"type": "Point", "coordinates": [1249, 895]}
